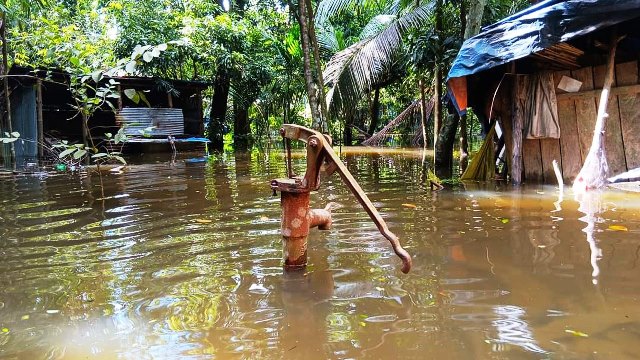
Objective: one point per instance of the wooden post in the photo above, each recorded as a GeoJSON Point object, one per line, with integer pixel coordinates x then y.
{"type": "Point", "coordinates": [170, 100]}
{"type": "Point", "coordinates": [593, 174]}
{"type": "Point", "coordinates": [200, 113]}
{"type": "Point", "coordinates": [40, 119]}
{"type": "Point", "coordinates": [518, 124]}
{"type": "Point", "coordinates": [119, 97]}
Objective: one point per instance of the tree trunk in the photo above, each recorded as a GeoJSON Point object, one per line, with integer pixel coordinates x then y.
{"type": "Point", "coordinates": [472, 23]}
{"type": "Point", "coordinates": [347, 136]}
{"type": "Point", "coordinates": [241, 127]}
{"type": "Point", "coordinates": [437, 107]}
{"type": "Point", "coordinates": [463, 18]}
{"type": "Point", "coordinates": [444, 147]}
{"type": "Point", "coordinates": [218, 112]}
{"type": "Point", "coordinates": [437, 74]}
{"type": "Point", "coordinates": [464, 144]}
{"type": "Point", "coordinates": [5, 82]}
{"type": "Point", "coordinates": [474, 18]}
{"type": "Point", "coordinates": [375, 111]}
{"type": "Point", "coordinates": [423, 114]}
{"type": "Point", "coordinates": [320, 81]}
{"type": "Point", "coordinates": [316, 120]}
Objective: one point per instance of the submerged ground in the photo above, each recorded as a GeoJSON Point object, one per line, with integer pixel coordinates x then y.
{"type": "Point", "coordinates": [182, 259]}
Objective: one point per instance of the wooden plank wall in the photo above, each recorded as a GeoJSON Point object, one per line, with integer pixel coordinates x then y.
{"type": "Point", "coordinates": [629, 105]}
{"type": "Point", "coordinates": [577, 120]}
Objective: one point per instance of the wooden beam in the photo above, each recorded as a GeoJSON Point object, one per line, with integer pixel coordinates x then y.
{"type": "Point", "coordinates": [517, 128]}
{"type": "Point", "coordinates": [620, 90]}
{"type": "Point", "coordinates": [119, 88]}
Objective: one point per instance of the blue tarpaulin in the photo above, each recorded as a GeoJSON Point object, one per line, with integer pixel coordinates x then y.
{"type": "Point", "coordinates": [531, 30]}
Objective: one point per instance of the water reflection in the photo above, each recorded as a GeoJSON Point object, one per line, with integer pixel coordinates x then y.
{"type": "Point", "coordinates": [513, 329]}
{"type": "Point", "coordinates": [591, 206]}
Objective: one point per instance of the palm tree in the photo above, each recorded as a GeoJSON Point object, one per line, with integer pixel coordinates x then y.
{"type": "Point", "coordinates": [353, 72]}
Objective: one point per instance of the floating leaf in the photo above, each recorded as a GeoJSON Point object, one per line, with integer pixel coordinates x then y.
{"type": "Point", "coordinates": [5, 330]}
{"type": "Point", "coordinates": [618, 228]}
{"type": "Point", "coordinates": [504, 220]}
{"type": "Point", "coordinates": [53, 311]}
{"type": "Point", "coordinates": [576, 333]}
{"type": "Point", "coordinates": [24, 317]}
{"type": "Point", "coordinates": [203, 221]}
{"type": "Point", "coordinates": [411, 206]}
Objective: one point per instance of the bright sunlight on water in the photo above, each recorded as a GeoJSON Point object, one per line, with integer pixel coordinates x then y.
{"type": "Point", "coordinates": [183, 259]}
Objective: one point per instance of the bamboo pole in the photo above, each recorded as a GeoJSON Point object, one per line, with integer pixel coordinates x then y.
{"type": "Point", "coordinates": [593, 174]}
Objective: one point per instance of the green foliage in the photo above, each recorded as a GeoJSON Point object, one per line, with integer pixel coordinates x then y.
{"type": "Point", "coordinates": [73, 154]}
{"type": "Point", "coordinates": [255, 46]}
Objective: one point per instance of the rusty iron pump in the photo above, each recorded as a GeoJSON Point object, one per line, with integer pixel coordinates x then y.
{"type": "Point", "coordinates": [297, 218]}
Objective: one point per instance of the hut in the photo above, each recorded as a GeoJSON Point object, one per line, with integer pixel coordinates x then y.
{"type": "Point", "coordinates": [43, 113]}
{"type": "Point", "coordinates": [538, 74]}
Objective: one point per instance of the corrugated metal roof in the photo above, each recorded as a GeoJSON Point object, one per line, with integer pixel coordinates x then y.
{"type": "Point", "coordinates": [151, 121]}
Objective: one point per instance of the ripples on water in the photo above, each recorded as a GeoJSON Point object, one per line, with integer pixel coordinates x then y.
{"type": "Point", "coordinates": [183, 260]}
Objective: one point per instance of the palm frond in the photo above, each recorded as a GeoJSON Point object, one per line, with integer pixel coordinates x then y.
{"type": "Point", "coordinates": [376, 25]}
{"type": "Point", "coordinates": [328, 8]}
{"type": "Point", "coordinates": [327, 39]}
{"type": "Point", "coordinates": [340, 62]}
{"type": "Point", "coordinates": [356, 69]}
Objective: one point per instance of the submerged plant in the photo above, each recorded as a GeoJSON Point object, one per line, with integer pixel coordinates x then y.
{"type": "Point", "coordinates": [75, 154]}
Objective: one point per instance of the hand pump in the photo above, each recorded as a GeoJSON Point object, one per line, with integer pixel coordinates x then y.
{"type": "Point", "coordinates": [297, 218]}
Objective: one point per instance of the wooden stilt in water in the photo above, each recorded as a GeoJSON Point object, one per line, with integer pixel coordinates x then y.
{"type": "Point", "coordinates": [593, 174]}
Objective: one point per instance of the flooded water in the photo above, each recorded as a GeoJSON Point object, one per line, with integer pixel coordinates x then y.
{"type": "Point", "coordinates": [183, 259]}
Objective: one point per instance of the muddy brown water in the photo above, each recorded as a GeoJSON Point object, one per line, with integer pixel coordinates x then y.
{"type": "Point", "coordinates": [182, 260]}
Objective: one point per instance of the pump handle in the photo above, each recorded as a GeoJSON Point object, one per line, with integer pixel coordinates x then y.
{"type": "Point", "coordinates": [301, 133]}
